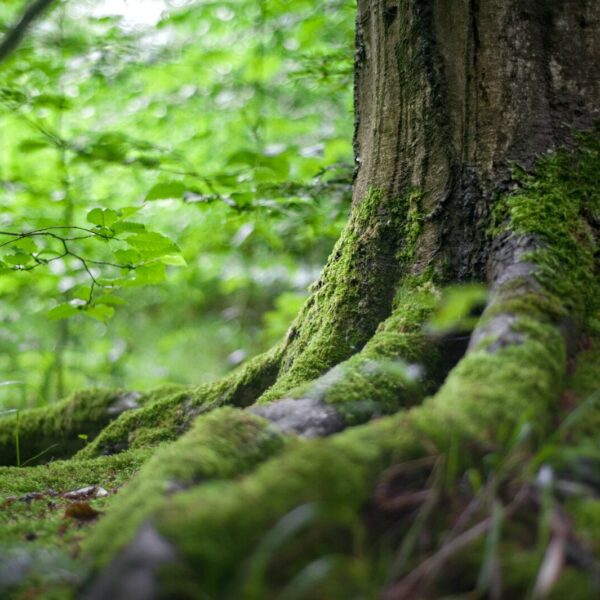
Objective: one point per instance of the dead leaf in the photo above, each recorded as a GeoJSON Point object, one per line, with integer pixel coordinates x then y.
{"type": "Point", "coordinates": [82, 511]}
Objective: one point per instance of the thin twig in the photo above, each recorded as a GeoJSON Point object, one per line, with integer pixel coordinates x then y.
{"type": "Point", "coordinates": [14, 36]}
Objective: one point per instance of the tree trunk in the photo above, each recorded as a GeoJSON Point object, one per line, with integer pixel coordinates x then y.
{"type": "Point", "coordinates": [456, 102]}
{"type": "Point", "coordinates": [449, 94]}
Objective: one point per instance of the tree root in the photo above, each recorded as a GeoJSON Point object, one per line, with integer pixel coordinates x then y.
{"type": "Point", "coordinates": [60, 430]}
{"type": "Point", "coordinates": [510, 380]}
{"type": "Point", "coordinates": [507, 379]}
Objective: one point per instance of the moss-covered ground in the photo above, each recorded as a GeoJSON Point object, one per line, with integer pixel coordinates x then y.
{"type": "Point", "coordinates": [41, 528]}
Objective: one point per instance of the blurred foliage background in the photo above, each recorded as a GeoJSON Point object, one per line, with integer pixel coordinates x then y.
{"type": "Point", "coordinates": [223, 128]}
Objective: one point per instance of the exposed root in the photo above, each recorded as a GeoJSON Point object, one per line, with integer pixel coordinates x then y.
{"type": "Point", "coordinates": [223, 444]}
{"type": "Point", "coordinates": [169, 415]}
{"type": "Point", "coordinates": [354, 293]}
{"type": "Point", "coordinates": [54, 431]}
{"type": "Point", "coordinates": [394, 370]}
{"type": "Point", "coordinates": [511, 377]}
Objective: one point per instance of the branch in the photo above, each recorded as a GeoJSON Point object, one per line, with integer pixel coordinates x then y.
{"type": "Point", "coordinates": [14, 36]}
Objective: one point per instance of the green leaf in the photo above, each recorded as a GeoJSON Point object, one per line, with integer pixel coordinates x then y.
{"type": "Point", "coordinates": [100, 312]}
{"type": "Point", "coordinates": [127, 226]}
{"type": "Point", "coordinates": [106, 233]}
{"type": "Point", "coordinates": [25, 244]}
{"type": "Point", "coordinates": [110, 300]}
{"type": "Point", "coordinates": [148, 161]}
{"type": "Point", "coordinates": [152, 244]}
{"type": "Point", "coordinates": [114, 283]}
{"type": "Point", "coordinates": [104, 217]}
{"type": "Point", "coordinates": [18, 259]}
{"type": "Point", "coordinates": [82, 292]}
{"type": "Point", "coordinates": [127, 211]}
{"type": "Point", "coordinates": [62, 311]}
{"type": "Point", "coordinates": [150, 274]}
{"type": "Point", "coordinates": [166, 190]}
{"type": "Point", "coordinates": [245, 157]}
{"type": "Point", "coordinates": [459, 308]}
{"type": "Point", "coordinates": [175, 260]}
{"type": "Point", "coordinates": [33, 145]}
{"type": "Point", "coordinates": [127, 257]}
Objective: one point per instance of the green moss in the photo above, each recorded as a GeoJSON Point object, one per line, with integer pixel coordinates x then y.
{"type": "Point", "coordinates": [224, 444]}
{"type": "Point", "coordinates": [225, 521]}
{"type": "Point", "coordinates": [556, 204]}
{"type": "Point", "coordinates": [157, 422]}
{"type": "Point", "coordinates": [167, 417]}
{"type": "Point", "coordinates": [489, 394]}
{"type": "Point", "coordinates": [540, 305]}
{"type": "Point", "coordinates": [33, 525]}
{"type": "Point", "coordinates": [585, 377]}
{"type": "Point", "coordinates": [355, 291]}
{"type": "Point", "coordinates": [412, 228]}
{"type": "Point", "coordinates": [65, 475]}
{"type": "Point", "coordinates": [377, 380]}
{"type": "Point", "coordinates": [54, 430]}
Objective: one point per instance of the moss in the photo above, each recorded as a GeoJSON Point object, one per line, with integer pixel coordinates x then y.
{"type": "Point", "coordinates": [157, 422]}
{"type": "Point", "coordinates": [214, 530]}
{"type": "Point", "coordinates": [388, 373]}
{"type": "Point", "coordinates": [491, 393]}
{"type": "Point", "coordinates": [225, 521]}
{"type": "Point", "coordinates": [413, 226]}
{"type": "Point", "coordinates": [585, 377]}
{"type": "Point", "coordinates": [540, 305]}
{"type": "Point", "coordinates": [32, 501]}
{"type": "Point", "coordinates": [556, 205]}
{"type": "Point", "coordinates": [167, 417]}
{"type": "Point", "coordinates": [53, 431]}
{"type": "Point", "coordinates": [64, 475]}
{"type": "Point", "coordinates": [354, 293]}
{"type": "Point", "coordinates": [224, 444]}
{"type": "Point", "coordinates": [33, 528]}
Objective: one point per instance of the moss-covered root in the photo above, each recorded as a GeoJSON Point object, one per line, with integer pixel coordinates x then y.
{"type": "Point", "coordinates": [394, 370]}
{"type": "Point", "coordinates": [355, 291]}
{"type": "Point", "coordinates": [168, 415]}
{"type": "Point", "coordinates": [210, 531]}
{"type": "Point", "coordinates": [60, 430]}
{"type": "Point", "coordinates": [219, 530]}
{"type": "Point", "coordinates": [223, 444]}
{"type": "Point", "coordinates": [218, 539]}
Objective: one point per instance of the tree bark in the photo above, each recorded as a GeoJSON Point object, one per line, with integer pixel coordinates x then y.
{"type": "Point", "coordinates": [450, 93]}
